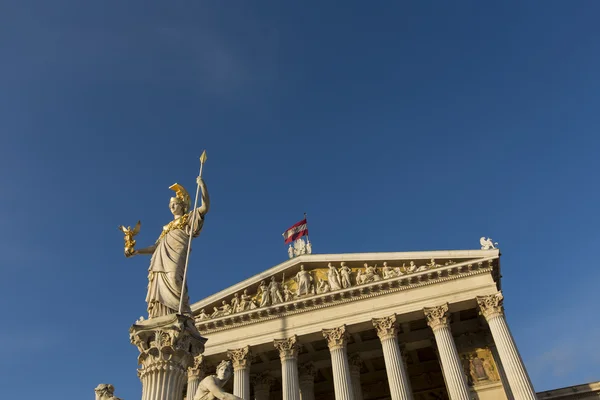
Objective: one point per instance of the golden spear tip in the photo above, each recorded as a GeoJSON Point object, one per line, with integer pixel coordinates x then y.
{"type": "Point", "coordinates": [203, 157]}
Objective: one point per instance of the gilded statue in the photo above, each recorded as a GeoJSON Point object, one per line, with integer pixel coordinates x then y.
{"type": "Point", "coordinates": [211, 387]}
{"type": "Point", "coordinates": [167, 264]}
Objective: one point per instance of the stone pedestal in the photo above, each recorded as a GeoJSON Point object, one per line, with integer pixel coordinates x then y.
{"type": "Point", "coordinates": [167, 347]}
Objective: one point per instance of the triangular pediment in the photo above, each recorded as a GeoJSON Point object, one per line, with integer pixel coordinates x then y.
{"type": "Point", "coordinates": [245, 300]}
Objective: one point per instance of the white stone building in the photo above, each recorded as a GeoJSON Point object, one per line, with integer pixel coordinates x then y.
{"type": "Point", "coordinates": [410, 325]}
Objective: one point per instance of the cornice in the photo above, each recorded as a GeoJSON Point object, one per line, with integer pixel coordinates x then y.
{"type": "Point", "coordinates": [355, 293]}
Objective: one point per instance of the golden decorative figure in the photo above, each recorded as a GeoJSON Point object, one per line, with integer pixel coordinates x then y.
{"type": "Point", "coordinates": [129, 234]}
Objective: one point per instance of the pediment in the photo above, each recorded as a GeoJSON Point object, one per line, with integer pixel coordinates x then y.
{"type": "Point", "coordinates": [241, 303]}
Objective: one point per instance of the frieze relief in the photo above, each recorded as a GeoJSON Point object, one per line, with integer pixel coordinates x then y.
{"type": "Point", "coordinates": [287, 293]}
{"type": "Point", "coordinates": [479, 366]}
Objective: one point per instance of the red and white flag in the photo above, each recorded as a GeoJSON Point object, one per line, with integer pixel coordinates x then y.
{"type": "Point", "coordinates": [297, 230]}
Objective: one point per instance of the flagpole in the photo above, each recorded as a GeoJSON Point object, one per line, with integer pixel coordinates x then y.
{"type": "Point", "coordinates": [307, 238]}
{"type": "Point", "coordinates": [192, 223]}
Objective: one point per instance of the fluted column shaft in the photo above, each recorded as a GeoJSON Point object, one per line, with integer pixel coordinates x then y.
{"type": "Point", "coordinates": [355, 364]}
{"type": "Point", "coordinates": [241, 371]}
{"type": "Point", "coordinates": [394, 364]}
{"type": "Point", "coordinates": [307, 374]}
{"type": "Point", "coordinates": [342, 382]}
{"type": "Point", "coordinates": [195, 374]}
{"type": "Point", "coordinates": [288, 354]}
{"type": "Point", "coordinates": [456, 382]}
{"type": "Point", "coordinates": [164, 383]}
{"type": "Point", "coordinates": [516, 374]}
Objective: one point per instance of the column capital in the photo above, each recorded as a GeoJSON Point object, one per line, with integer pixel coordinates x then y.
{"type": "Point", "coordinates": [198, 368]}
{"type": "Point", "coordinates": [241, 358]}
{"type": "Point", "coordinates": [491, 306]}
{"type": "Point", "coordinates": [437, 317]}
{"type": "Point", "coordinates": [337, 338]}
{"type": "Point", "coordinates": [386, 327]}
{"type": "Point", "coordinates": [288, 348]}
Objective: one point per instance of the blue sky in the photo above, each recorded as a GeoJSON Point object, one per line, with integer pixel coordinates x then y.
{"type": "Point", "coordinates": [398, 126]}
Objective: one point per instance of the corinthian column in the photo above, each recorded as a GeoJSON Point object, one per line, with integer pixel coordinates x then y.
{"type": "Point", "coordinates": [456, 383]}
{"type": "Point", "coordinates": [307, 373]}
{"type": "Point", "coordinates": [518, 379]}
{"type": "Point", "coordinates": [288, 353]}
{"type": "Point", "coordinates": [355, 364]}
{"type": "Point", "coordinates": [387, 331]}
{"type": "Point", "coordinates": [241, 371]}
{"type": "Point", "coordinates": [337, 339]}
{"type": "Point", "coordinates": [167, 348]}
{"type": "Point", "coordinates": [262, 385]}
{"type": "Point", "coordinates": [195, 374]}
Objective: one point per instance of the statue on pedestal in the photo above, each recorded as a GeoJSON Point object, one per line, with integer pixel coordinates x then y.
{"type": "Point", "coordinates": [211, 387]}
{"type": "Point", "coordinates": [169, 253]}
{"type": "Point", "coordinates": [105, 391]}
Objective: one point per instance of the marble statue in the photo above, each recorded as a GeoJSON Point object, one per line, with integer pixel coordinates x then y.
{"type": "Point", "coordinates": [346, 274]}
{"type": "Point", "coordinates": [246, 302]}
{"type": "Point", "coordinates": [398, 271]}
{"type": "Point", "coordinates": [477, 370]}
{"type": "Point", "coordinates": [290, 251]}
{"type": "Point", "coordinates": [275, 291]}
{"type": "Point", "coordinates": [105, 391]}
{"type": "Point", "coordinates": [235, 302]}
{"type": "Point", "coordinates": [412, 267]}
{"type": "Point", "coordinates": [360, 277]}
{"type": "Point", "coordinates": [203, 315]}
{"type": "Point", "coordinates": [299, 247]}
{"type": "Point", "coordinates": [169, 253]}
{"type": "Point", "coordinates": [304, 280]}
{"type": "Point", "coordinates": [322, 287]}
{"type": "Point", "coordinates": [287, 293]}
{"type": "Point", "coordinates": [487, 244]}
{"type": "Point", "coordinates": [263, 289]}
{"type": "Point", "coordinates": [334, 277]}
{"type": "Point", "coordinates": [225, 309]}
{"type": "Point", "coordinates": [211, 387]}
{"type": "Point", "coordinates": [370, 274]}
{"type": "Point", "coordinates": [427, 266]}
{"type": "Point", "coordinates": [387, 271]}
{"type": "Point", "coordinates": [308, 247]}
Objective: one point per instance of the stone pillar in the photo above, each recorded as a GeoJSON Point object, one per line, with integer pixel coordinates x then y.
{"type": "Point", "coordinates": [337, 339]}
{"type": "Point", "coordinates": [518, 379]}
{"type": "Point", "coordinates": [456, 382]}
{"type": "Point", "coordinates": [355, 364]}
{"type": "Point", "coordinates": [196, 373]}
{"type": "Point", "coordinates": [288, 353]}
{"type": "Point", "coordinates": [387, 331]}
{"type": "Point", "coordinates": [262, 385]}
{"type": "Point", "coordinates": [167, 347]}
{"type": "Point", "coordinates": [241, 359]}
{"type": "Point", "coordinates": [307, 373]}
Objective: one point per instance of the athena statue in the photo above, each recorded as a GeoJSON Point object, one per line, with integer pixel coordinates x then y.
{"type": "Point", "coordinates": [169, 253]}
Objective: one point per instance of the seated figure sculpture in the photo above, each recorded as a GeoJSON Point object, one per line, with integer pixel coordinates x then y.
{"type": "Point", "coordinates": [211, 387]}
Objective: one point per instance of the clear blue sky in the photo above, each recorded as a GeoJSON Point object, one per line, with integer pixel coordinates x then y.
{"type": "Point", "coordinates": [396, 126]}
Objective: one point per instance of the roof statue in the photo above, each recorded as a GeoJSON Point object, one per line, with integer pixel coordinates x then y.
{"type": "Point", "coordinates": [487, 244]}
{"type": "Point", "coordinates": [170, 251]}
{"type": "Point", "coordinates": [105, 391]}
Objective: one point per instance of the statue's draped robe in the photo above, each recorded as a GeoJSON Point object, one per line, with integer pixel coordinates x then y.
{"type": "Point", "coordinates": [165, 275]}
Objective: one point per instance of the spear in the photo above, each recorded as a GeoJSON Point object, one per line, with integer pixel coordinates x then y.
{"type": "Point", "coordinates": [192, 224]}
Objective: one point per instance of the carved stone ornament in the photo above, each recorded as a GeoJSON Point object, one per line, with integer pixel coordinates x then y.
{"type": "Point", "coordinates": [198, 369]}
{"type": "Point", "coordinates": [491, 306]}
{"type": "Point", "coordinates": [386, 327]}
{"type": "Point", "coordinates": [437, 317]}
{"type": "Point", "coordinates": [337, 338]}
{"type": "Point", "coordinates": [241, 358]}
{"type": "Point", "coordinates": [105, 391]}
{"type": "Point", "coordinates": [166, 343]}
{"type": "Point", "coordinates": [288, 348]}
{"type": "Point", "coordinates": [479, 366]}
